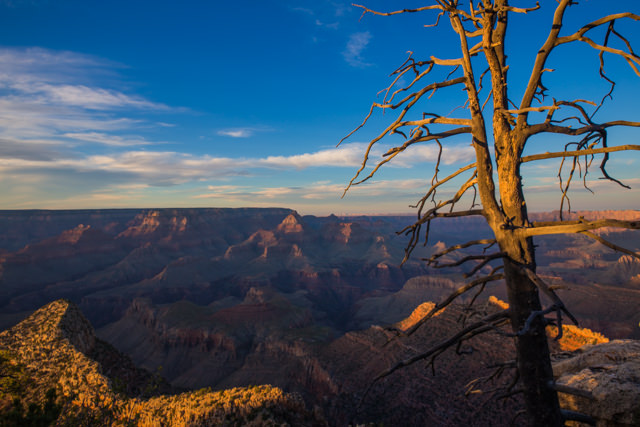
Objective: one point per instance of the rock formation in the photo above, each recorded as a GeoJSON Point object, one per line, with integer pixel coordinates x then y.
{"type": "Point", "coordinates": [56, 349]}
{"type": "Point", "coordinates": [52, 349]}
{"type": "Point", "coordinates": [608, 375]}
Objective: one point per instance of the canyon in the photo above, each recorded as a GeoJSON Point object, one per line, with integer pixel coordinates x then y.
{"type": "Point", "coordinates": [227, 298]}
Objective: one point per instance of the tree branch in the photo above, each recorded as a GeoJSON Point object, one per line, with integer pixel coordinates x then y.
{"type": "Point", "coordinates": [541, 59]}
{"type": "Point", "coordinates": [435, 186]}
{"type": "Point", "coordinates": [432, 213]}
{"type": "Point", "coordinates": [585, 152]}
{"type": "Point", "coordinates": [558, 304]}
{"type": "Point", "coordinates": [484, 258]}
{"type": "Point", "coordinates": [459, 246]}
{"type": "Point", "coordinates": [485, 325]}
{"type": "Point", "coordinates": [611, 245]}
{"type": "Point", "coordinates": [577, 416]}
{"type": "Point", "coordinates": [567, 130]}
{"type": "Point", "coordinates": [561, 388]}
{"type": "Point", "coordinates": [455, 294]}
{"type": "Point", "coordinates": [487, 259]}
{"type": "Point", "coordinates": [397, 123]}
{"type": "Point", "coordinates": [484, 166]}
{"type": "Point", "coordinates": [366, 10]}
{"type": "Point", "coordinates": [566, 227]}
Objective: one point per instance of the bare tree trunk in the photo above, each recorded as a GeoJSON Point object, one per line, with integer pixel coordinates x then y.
{"type": "Point", "coordinates": [534, 363]}
{"type": "Point", "coordinates": [532, 348]}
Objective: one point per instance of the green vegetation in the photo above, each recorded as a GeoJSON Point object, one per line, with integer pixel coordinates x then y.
{"type": "Point", "coordinates": [14, 384]}
{"type": "Point", "coordinates": [35, 415]}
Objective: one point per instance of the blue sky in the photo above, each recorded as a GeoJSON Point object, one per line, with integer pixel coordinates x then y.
{"type": "Point", "coordinates": [208, 103]}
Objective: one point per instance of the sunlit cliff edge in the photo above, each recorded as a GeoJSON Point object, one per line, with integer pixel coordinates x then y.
{"type": "Point", "coordinates": [56, 349]}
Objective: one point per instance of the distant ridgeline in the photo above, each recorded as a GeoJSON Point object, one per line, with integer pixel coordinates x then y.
{"type": "Point", "coordinates": [21, 227]}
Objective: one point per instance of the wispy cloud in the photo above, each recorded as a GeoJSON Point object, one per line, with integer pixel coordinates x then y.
{"type": "Point", "coordinates": [86, 97]}
{"type": "Point", "coordinates": [67, 135]}
{"type": "Point", "coordinates": [161, 168]}
{"type": "Point", "coordinates": [38, 150]}
{"type": "Point", "coordinates": [34, 61]}
{"type": "Point", "coordinates": [315, 191]}
{"type": "Point", "coordinates": [596, 184]}
{"type": "Point", "coordinates": [332, 25]}
{"type": "Point", "coordinates": [107, 139]}
{"type": "Point", "coordinates": [242, 132]}
{"type": "Point", "coordinates": [236, 133]}
{"type": "Point", "coordinates": [303, 10]}
{"type": "Point", "coordinates": [349, 155]}
{"type": "Point", "coordinates": [355, 46]}
{"type": "Point", "coordinates": [451, 154]}
{"type": "Point", "coordinates": [45, 93]}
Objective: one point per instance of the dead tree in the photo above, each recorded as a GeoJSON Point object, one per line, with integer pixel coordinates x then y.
{"type": "Point", "coordinates": [499, 127]}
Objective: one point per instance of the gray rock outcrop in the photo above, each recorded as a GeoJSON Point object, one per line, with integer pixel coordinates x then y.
{"type": "Point", "coordinates": [610, 372]}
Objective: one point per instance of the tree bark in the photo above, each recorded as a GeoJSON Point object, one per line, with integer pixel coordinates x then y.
{"type": "Point", "coordinates": [532, 349]}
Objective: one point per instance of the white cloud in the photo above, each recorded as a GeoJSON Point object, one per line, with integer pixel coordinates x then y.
{"type": "Point", "coordinates": [429, 153]}
{"type": "Point", "coordinates": [106, 139]}
{"type": "Point", "coordinates": [595, 183]}
{"type": "Point", "coordinates": [22, 119]}
{"type": "Point", "coordinates": [48, 77]}
{"type": "Point", "coordinates": [243, 132]}
{"type": "Point", "coordinates": [87, 97]}
{"type": "Point", "coordinates": [236, 133]}
{"type": "Point", "coordinates": [353, 52]}
{"type": "Point", "coordinates": [348, 155]}
{"type": "Point", "coordinates": [332, 26]}
{"type": "Point", "coordinates": [318, 191]}
{"type": "Point", "coordinates": [274, 192]}
{"type": "Point", "coordinates": [45, 94]}
{"type": "Point", "coordinates": [31, 62]}
{"type": "Point", "coordinates": [322, 190]}
{"type": "Point", "coordinates": [170, 167]}
{"type": "Point", "coordinates": [54, 104]}
{"type": "Point", "coordinates": [222, 188]}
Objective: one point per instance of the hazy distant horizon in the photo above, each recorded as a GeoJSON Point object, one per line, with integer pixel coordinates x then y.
{"type": "Point", "coordinates": [338, 214]}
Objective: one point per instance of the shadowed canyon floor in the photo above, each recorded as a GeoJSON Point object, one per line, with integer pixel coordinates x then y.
{"type": "Point", "coordinates": [224, 298]}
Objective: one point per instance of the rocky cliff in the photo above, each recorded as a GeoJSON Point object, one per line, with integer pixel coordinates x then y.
{"type": "Point", "coordinates": [607, 380]}
{"type": "Point", "coordinates": [56, 350]}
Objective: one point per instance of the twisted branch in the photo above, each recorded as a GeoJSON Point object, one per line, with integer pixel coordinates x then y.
{"type": "Point", "coordinates": [611, 245]}
{"type": "Point", "coordinates": [485, 325]}
{"type": "Point", "coordinates": [453, 296]}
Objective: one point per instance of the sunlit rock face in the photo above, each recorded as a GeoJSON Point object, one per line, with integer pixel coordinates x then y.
{"type": "Point", "coordinates": [56, 349]}
{"type": "Point", "coordinates": [610, 372]}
